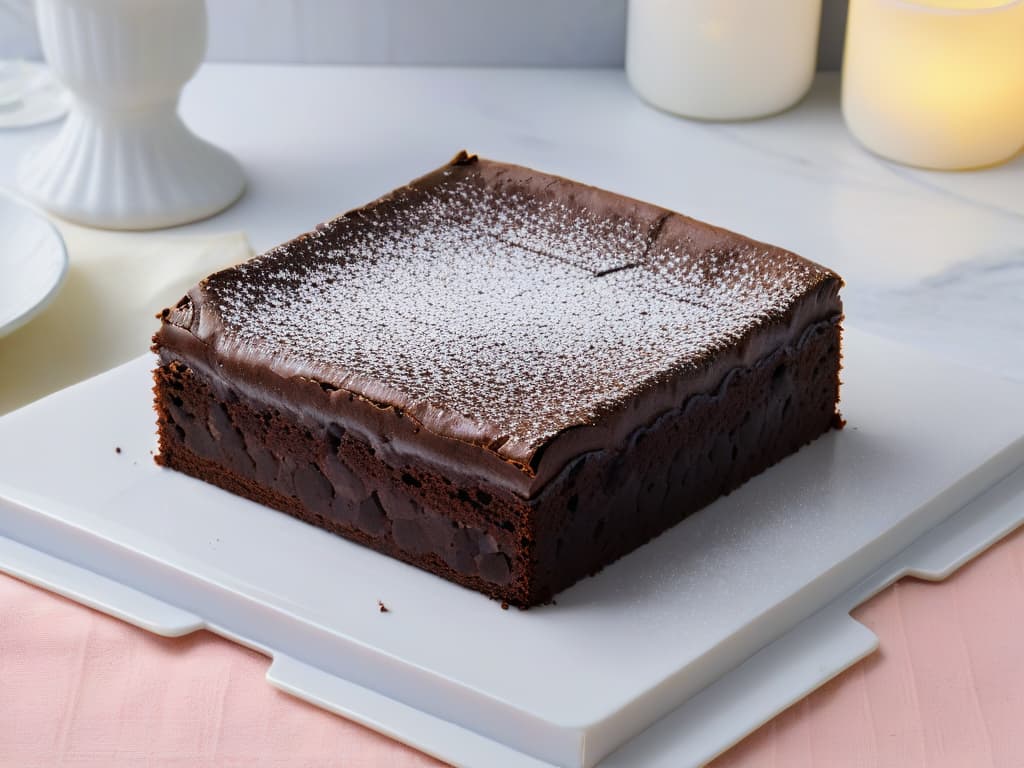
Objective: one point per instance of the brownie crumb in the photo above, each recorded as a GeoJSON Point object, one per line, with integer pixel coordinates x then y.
{"type": "Point", "coordinates": [117, 449]}
{"type": "Point", "coordinates": [504, 605]}
{"type": "Point", "coordinates": [383, 608]}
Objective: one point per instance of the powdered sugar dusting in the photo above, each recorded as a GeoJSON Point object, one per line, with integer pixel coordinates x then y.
{"type": "Point", "coordinates": [522, 315]}
{"type": "Point", "coordinates": [549, 227]}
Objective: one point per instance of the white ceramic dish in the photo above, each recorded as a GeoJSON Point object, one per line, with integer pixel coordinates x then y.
{"type": "Point", "coordinates": [718, 624]}
{"type": "Point", "coordinates": [33, 262]}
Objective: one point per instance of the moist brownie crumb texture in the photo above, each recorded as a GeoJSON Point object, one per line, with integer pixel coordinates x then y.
{"type": "Point", "coordinates": [472, 365]}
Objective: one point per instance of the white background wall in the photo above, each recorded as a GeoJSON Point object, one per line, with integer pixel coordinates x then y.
{"type": "Point", "coordinates": [579, 33]}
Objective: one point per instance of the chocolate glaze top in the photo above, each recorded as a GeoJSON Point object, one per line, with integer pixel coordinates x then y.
{"type": "Point", "coordinates": [520, 317]}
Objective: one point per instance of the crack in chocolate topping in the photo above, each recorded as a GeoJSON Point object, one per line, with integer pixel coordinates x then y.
{"type": "Point", "coordinates": [497, 305]}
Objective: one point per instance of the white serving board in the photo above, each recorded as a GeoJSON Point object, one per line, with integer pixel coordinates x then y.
{"type": "Point", "coordinates": [712, 628]}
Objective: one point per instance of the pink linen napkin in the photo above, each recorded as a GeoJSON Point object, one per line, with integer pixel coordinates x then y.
{"type": "Point", "coordinates": [77, 688]}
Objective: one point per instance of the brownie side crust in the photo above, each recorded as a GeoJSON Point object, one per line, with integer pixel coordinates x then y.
{"type": "Point", "coordinates": [611, 502]}
{"type": "Point", "coordinates": [600, 507]}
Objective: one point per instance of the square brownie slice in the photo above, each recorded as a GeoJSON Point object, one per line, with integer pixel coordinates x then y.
{"type": "Point", "coordinates": [503, 377]}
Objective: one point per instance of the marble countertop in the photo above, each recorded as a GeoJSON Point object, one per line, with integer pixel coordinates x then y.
{"type": "Point", "coordinates": [933, 259]}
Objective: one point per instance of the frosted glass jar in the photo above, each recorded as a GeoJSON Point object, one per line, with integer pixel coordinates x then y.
{"type": "Point", "coordinates": [722, 59]}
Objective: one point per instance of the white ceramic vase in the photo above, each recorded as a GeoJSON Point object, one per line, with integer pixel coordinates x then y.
{"type": "Point", "coordinates": [722, 59]}
{"type": "Point", "coordinates": [124, 159]}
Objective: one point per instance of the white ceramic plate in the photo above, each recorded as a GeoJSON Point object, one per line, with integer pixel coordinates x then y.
{"type": "Point", "coordinates": [33, 262]}
{"type": "Point", "coordinates": [702, 634]}
{"type": "Point", "coordinates": [30, 95]}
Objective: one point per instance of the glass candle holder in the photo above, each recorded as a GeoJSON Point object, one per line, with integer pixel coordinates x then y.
{"type": "Point", "coordinates": [722, 59]}
{"type": "Point", "coordinates": [936, 83]}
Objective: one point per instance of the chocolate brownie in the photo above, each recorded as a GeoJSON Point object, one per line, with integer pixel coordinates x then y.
{"type": "Point", "coordinates": [501, 376]}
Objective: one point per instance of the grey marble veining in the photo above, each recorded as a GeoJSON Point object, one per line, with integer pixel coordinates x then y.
{"type": "Point", "coordinates": [932, 259]}
{"type": "Point", "coordinates": [972, 312]}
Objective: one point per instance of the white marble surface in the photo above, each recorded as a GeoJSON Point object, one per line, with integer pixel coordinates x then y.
{"type": "Point", "coordinates": [933, 259]}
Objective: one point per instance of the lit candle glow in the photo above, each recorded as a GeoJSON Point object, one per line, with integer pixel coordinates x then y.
{"type": "Point", "coordinates": [936, 83]}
